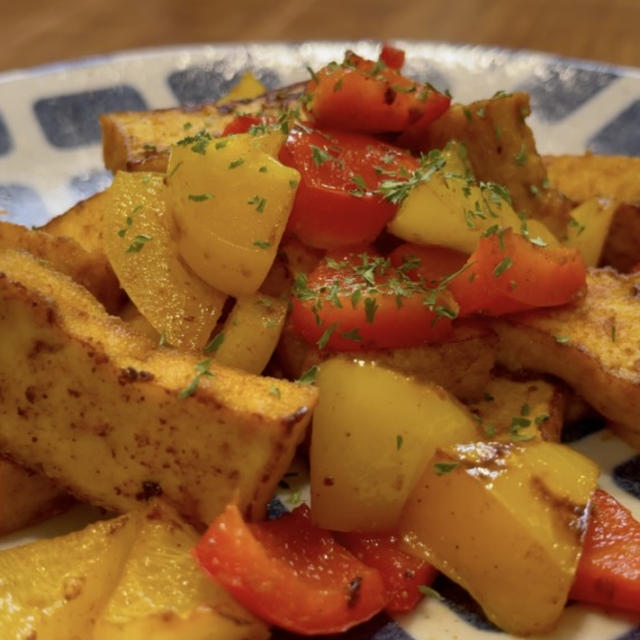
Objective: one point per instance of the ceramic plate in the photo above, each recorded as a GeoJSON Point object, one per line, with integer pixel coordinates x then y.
{"type": "Point", "coordinates": [50, 157]}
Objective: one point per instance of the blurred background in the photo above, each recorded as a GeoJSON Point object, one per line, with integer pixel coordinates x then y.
{"type": "Point", "coordinates": [36, 31]}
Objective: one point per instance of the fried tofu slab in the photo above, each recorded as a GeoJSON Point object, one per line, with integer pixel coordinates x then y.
{"type": "Point", "coordinates": [616, 177]}
{"type": "Point", "coordinates": [89, 268]}
{"type": "Point", "coordinates": [107, 415]}
{"type": "Point", "coordinates": [462, 364]}
{"type": "Point", "coordinates": [593, 345]}
{"type": "Point", "coordinates": [83, 223]}
{"type": "Point", "coordinates": [622, 247]}
{"type": "Point", "coordinates": [582, 177]}
{"type": "Point", "coordinates": [140, 141]}
{"type": "Point", "coordinates": [27, 498]}
{"type": "Point", "coordinates": [520, 410]}
{"type": "Point", "coordinates": [501, 149]}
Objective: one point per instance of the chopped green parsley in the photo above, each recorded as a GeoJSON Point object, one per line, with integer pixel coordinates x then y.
{"type": "Point", "coordinates": [197, 143]}
{"type": "Point", "coordinates": [200, 197]}
{"type": "Point", "coordinates": [442, 468]}
{"type": "Point", "coordinates": [430, 592]}
{"type": "Point", "coordinates": [275, 391]}
{"type": "Point", "coordinates": [259, 203]}
{"type": "Point", "coordinates": [354, 335]}
{"type": "Point", "coordinates": [502, 266]}
{"type": "Point", "coordinates": [521, 156]}
{"type": "Point", "coordinates": [309, 376]}
{"type": "Point", "coordinates": [178, 165]}
{"type": "Point", "coordinates": [202, 370]}
{"type": "Point", "coordinates": [319, 156]}
{"type": "Point", "coordinates": [324, 338]}
{"type": "Point", "coordinates": [138, 242]}
{"type": "Point", "coordinates": [215, 344]}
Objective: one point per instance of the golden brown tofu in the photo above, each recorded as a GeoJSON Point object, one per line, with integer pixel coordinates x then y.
{"type": "Point", "coordinates": [622, 247]}
{"type": "Point", "coordinates": [461, 365]}
{"type": "Point", "coordinates": [83, 223]}
{"type": "Point", "coordinates": [501, 149]}
{"type": "Point", "coordinates": [292, 258]}
{"type": "Point", "coordinates": [615, 177]}
{"type": "Point", "coordinates": [141, 140]}
{"type": "Point", "coordinates": [115, 420]}
{"type": "Point", "coordinates": [27, 497]}
{"type": "Point", "coordinates": [520, 410]}
{"type": "Point", "coordinates": [89, 268]}
{"type": "Point", "coordinates": [594, 345]}
{"type": "Point", "coordinates": [588, 175]}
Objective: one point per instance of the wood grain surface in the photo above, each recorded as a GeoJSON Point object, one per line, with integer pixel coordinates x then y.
{"type": "Point", "coordinates": [41, 31]}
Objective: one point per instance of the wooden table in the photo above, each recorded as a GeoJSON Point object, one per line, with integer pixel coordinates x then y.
{"type": "Point", "coordinates": [41, 31]}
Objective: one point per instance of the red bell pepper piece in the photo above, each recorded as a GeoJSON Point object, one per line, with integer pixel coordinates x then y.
{"type": "Point", "coordinates": [241, 124]}
{"type": "Point", "coordinates": [609, 569]}
{"type": "Point", "coordinates": [402, 574]}
{"type": "Point", "coordinates": [336, 202]}
{"type": "Point", "coordinates": [508, 273]}
{"type": "Point", "coordinates": [362, 95]}
{"type": "Point", "coordinates": [431, 263]}
{"type": "Point", "coordinates": [290, 572]}
{"type": "Point", "coordinates": [357, 300]}
{"type": "Point", "coordinates": [392, 57]}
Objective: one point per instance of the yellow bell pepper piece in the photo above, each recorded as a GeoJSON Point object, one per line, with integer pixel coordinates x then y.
{"type": "Point", "coordinates": [230, 200]}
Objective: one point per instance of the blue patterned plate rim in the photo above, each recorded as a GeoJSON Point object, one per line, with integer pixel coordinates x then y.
{"type": "Point", "coordinates": [203, 47]}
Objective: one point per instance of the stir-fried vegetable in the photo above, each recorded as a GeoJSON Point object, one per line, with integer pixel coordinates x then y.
{"type": "Point", "coordinates": [306, 218]}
